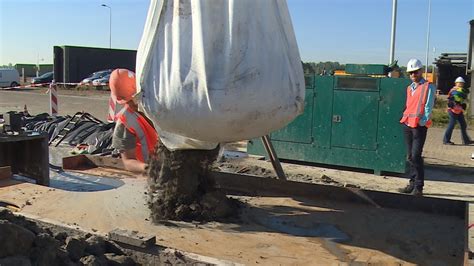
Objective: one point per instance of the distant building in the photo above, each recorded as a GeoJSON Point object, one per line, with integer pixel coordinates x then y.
{"type": "Point", "coordinates": [449, 67]}
{"type": "Point", "coordinates": [30, 69]}
{"type": "Point", "coordinates": [74, 63]}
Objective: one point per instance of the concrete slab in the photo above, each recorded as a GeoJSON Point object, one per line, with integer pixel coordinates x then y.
{"type": "Point", "coordinates": [271, 230]}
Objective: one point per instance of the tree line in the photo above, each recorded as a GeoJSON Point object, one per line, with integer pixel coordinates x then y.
{"type": "Point", "coordinates": [328, 68]}
{"type": "Point", "coordinates": [322, 68]}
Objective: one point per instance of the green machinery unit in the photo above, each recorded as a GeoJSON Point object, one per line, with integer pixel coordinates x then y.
{"type": "Point", "coordinates": [350, 120]}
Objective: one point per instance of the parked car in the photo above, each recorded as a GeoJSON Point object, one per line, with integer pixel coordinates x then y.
{"type": "Point", "coordinates": [95, 75]}
{"type": "Point", "coordinates": [45, 78]}
{"type": "Point", "coordinates": [9, 77]}
{"type": "Point", "coordinates": [104, 81]}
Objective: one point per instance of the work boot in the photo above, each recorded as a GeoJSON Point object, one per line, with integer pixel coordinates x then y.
{"type": "Point", "coordinates": [408, 189]}
{"type": "Point", "coordinates": [417, 192]}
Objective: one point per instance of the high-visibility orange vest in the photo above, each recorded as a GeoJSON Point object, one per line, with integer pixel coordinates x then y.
{"type": "Point", "coordinates": [456, 109]}
{"type": "Point", "coordinates": [415, 105]}
{"type": "Point", "coordinates": [145, 135]}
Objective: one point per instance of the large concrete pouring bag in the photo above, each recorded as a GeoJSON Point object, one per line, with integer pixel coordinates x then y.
{"type": "Point", "coordinates": [213, 71]}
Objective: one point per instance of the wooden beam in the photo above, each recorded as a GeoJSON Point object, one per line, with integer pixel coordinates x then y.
{"type": "Point", "coordinates": [77, 162]}
{"type": "Point", "coordinates": [86, 161]}
{"type": "Point", "coordinates": [5, 172]}
{"type": "Point", "coordinates": [259, 186]}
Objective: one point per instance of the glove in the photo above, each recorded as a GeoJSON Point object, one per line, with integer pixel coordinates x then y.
{"type": "Point", "coordinates": [464, 106]}
{"type": "Point", "coordinates": [450, 104]}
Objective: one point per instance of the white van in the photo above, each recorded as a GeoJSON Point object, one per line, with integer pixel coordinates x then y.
{"type": "Point", "coordinates": [9, 77]}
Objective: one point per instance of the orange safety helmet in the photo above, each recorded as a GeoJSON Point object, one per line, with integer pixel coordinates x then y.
{"type": "Point", "coordinates": [122, 85]}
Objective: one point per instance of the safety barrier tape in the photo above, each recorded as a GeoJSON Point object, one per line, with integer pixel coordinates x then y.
{"type": "Point", "coordinates": [53, 97]}
{"type": "Point", "coordinates": [25, 86]}
{"type": "Point", "coordinates": [47, 84]}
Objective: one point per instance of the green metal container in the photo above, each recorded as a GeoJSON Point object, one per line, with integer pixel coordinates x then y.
{"type": "Point", "coordinates": [348, 121]}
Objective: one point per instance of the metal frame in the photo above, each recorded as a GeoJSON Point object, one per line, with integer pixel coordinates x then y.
{"type": "Point", "coordinates": [26, 154]}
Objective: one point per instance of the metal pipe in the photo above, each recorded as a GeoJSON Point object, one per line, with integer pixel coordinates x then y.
{"type": "Point", "coordinates": [273, 157]}
{"type": "Point", "coordinates": [392, 36]}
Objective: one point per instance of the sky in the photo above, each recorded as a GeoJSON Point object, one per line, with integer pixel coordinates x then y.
{"type": "Point", "coordinates": [347, 31]}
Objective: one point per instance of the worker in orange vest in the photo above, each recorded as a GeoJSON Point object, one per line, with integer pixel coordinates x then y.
{"type": "Point", "coordinates": [134, 136]}
{"type": "Point", "coordinates": [416, 120]}
{"type": "Point", "coordinates": [456, 107]}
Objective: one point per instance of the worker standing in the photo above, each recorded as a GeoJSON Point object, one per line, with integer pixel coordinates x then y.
{"type": "Point", "coordinates": [416, 120]}
{"type": "Point", "coordinates": [456, 106]}
{"type": "Point", "coordinates": [134, 135]}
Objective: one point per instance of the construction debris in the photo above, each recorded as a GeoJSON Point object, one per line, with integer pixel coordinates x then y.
{"type": "Point", "coordinates": [23, 242]}
{"type": "Point", "coordinates": [89, 133]}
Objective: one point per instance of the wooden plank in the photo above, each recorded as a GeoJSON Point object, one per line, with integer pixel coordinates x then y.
{"type": "Point", "coordinates": [106, 161]}
{"type": "Point", "coordinates": [105, 172]}
{"type": "Point", "coordinates": [86, 161]}
{"type": "Point", "coordinates": [43, 152]}
{"type": "Point", "coordinates": [5, 172]}
{"type": "Point", "coordinates": [133, 238]}
{"type": "Point", "coordinates": [77, 162]}
{"type": "Point", "coordinates": [254, 185]}
{"type": "Point", "coordinates": [97, 165]}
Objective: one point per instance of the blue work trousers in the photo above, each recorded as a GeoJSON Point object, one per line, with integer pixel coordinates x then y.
{"type": "Point", "coordinates": [452, 122]}
{"type": "Point", "coordinates": [415, 140]}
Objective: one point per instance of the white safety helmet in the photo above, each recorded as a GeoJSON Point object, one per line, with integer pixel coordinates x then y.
{"type": "Point", "coordinates": [459, 79]}
{"type": "Point", "coordinates": [413, 65]}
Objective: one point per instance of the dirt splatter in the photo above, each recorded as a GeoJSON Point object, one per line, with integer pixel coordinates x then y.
{"type": "Point", "coordinates": [180, 187]}
{"type": "Point", "coordinates": [233, 167]}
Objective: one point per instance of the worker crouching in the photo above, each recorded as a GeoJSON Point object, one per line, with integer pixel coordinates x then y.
{"type": "Point", "coordinates": [134, 135]}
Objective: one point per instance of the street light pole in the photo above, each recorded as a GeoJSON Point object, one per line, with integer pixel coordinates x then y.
{"type": "Point", "coordinates": [38, 64]}
{"type": "Point", "coordinates": [110, 24]}
{"type": "Point", "coordinates": [428, 39]}
{"type": "Point", "coordinates": [392, 36]}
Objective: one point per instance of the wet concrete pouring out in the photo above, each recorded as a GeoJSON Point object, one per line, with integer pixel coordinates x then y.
{"type": "Point", "coordinates": [180, 187]}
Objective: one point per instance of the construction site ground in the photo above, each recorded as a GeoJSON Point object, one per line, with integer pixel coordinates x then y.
{"type": "Point", "coordinates": [271, 230]}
